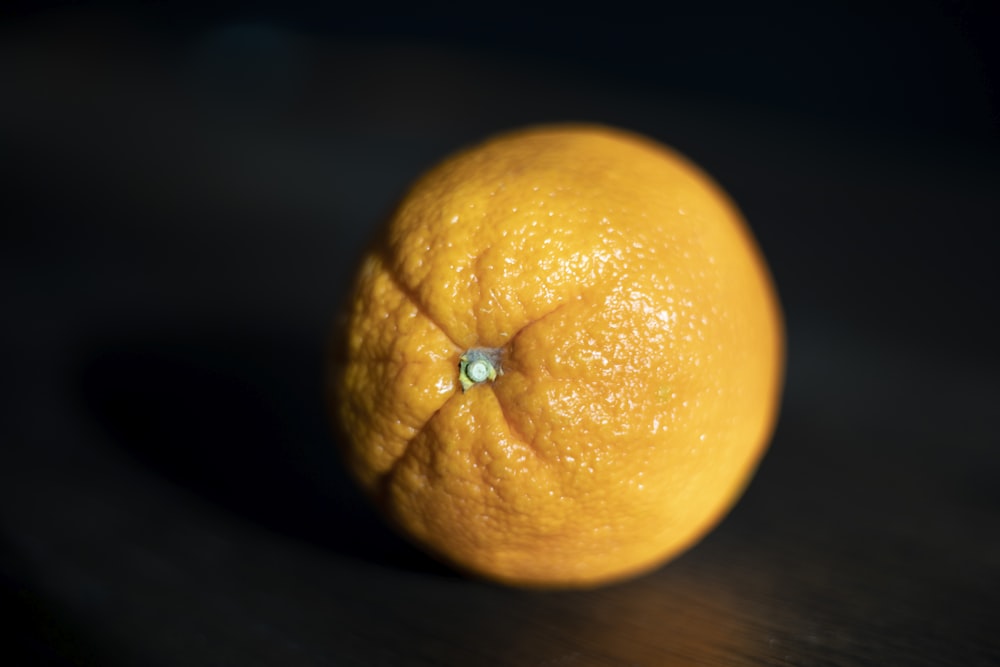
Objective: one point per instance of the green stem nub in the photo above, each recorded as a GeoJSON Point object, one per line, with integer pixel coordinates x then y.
{"type": "Point", "coordinates": [477, 366]}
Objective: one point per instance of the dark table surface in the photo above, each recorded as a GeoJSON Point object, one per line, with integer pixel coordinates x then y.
{"type": "Point", "coordinates": [183, 200]}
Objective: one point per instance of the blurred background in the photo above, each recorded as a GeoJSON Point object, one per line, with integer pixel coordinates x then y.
{"type": "Point", "coordinates": [184, 193]}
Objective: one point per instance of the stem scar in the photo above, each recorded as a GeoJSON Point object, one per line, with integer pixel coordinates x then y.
{"type": "Point", "coordinates": [478, 365]}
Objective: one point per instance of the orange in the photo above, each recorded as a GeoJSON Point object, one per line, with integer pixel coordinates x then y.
{"type": "Point", "coordinates": [562, 359]}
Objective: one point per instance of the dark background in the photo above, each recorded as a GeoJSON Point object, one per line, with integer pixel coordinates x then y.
{"type": "Point", "coordinates": [184, 194]}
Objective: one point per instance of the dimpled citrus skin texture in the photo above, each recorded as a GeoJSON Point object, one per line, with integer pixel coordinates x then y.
{"type": "Point", "coordinates": [641, 358]}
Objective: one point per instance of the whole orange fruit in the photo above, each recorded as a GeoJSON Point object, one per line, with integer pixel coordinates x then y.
{"type": "Point", "coordinates": [563, 358]}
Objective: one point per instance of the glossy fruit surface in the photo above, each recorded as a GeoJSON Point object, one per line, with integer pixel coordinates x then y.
{"type": "Point", "coordinates": [562, 359]}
